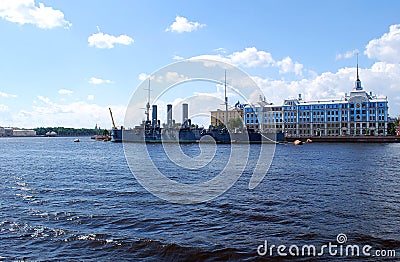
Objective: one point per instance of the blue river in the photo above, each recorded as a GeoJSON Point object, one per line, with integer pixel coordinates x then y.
{"type": "Point", "coordinates": [61, 200]}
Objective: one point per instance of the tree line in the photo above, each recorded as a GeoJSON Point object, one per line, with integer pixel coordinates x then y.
{"type": "Point", "coordinates": [68, 131]}
{"type": "Point", "coordinates": [393, 126]}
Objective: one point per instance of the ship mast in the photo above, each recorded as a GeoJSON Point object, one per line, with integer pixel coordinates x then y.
{"type": "Point", "coordinates": [226, 105]}
{"type": "Point", "coordinates": [148, 103]}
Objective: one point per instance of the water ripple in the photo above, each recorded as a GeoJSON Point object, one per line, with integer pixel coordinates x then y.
{"type": "Point", "coordinates": [71, 201]}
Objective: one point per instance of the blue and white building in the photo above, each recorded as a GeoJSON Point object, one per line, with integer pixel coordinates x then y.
{"type": "Point", "coordinates": [357, 113]}
{"type": "Point", "coordinates": [264, 117]}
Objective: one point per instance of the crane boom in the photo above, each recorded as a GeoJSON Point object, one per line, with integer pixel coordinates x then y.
{"type": "Point", "coordinates": [112, 119]}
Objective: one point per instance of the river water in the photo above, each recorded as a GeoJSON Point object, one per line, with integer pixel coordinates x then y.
{"type": "Point", "coordinates": [61, 200]}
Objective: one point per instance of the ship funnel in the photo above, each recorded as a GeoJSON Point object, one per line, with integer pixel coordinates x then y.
{"type": "Point", "coordinates": [185, 114]}
{"type": "Point", "coordinates": [169, 115]}
{"type": "Point", "coordinates": [154, 116]}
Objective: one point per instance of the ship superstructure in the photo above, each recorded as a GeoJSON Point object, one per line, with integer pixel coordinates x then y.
{"type": "Point", "coordinates": [151, 131]}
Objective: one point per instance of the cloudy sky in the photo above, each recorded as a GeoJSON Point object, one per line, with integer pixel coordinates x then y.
{"type": "Point", "coordinates": [63, 63]}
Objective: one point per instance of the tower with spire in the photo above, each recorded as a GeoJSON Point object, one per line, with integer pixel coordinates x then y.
{"type": "Point", "coordinates": [357, 85]}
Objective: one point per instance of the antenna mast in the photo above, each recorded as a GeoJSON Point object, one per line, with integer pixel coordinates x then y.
{"type": "Point", "coordinates": [226, 105]}
{"type": "Point", "coordinates": [148, 103]}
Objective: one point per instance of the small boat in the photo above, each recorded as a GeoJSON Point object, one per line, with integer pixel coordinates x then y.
{"type": "Point", "coordinates": [308, 141]}
{"type": "Point", "coordinates": [102, 138]}
{"type": "Point", "coordinates": [77, 140]}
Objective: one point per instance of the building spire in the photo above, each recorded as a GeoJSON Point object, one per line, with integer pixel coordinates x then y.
{"type": "Point", "coordinates": [358, 81]}
{"type": "Point", "coordinates": [358, 78]}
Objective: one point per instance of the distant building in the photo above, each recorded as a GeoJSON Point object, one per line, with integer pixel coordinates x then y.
{"type": "Point", "coordinates": [218, 116]}
{"type": "Point", "coordinates": [8, 131]}
{"type": "Point", "coordinates": [24, 132]}
{"type": "Point", "coordinates": [2, 131]}
{"type": "Point", "coordinates": [359, 113]}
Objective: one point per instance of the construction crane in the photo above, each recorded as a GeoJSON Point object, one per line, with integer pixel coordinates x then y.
{"type": "Point", "coordinates": [112, 119]}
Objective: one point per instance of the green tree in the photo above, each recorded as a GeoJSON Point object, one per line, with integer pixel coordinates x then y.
{"type": "Point", "coordinates": [67, 131]}
{"type": "Point", "coordinates": [235, 123]}
{"type": "Point", "coordinates": [392, 127]}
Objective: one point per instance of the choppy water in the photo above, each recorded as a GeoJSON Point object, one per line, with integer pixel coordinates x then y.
{"type": "Point", "coordinates": [61, 200]}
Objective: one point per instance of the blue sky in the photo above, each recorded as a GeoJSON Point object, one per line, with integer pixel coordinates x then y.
{"type": "Point", "coordinates": [63, 63]}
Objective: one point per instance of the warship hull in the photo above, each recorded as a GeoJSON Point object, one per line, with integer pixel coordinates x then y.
{"type": "Point", "coordinates": [193, 136]}
{"type": "Point", "coordinates": [156, 136]}
{"type": "Point", "coordinates": [223, 136]}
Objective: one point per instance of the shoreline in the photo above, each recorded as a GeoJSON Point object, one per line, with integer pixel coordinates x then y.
{"type": "Point", "coordinates": [44, 136]}
{"type": "Point", "coordinates": [315, 139]}
{"type": "Point", "coordinates": [347, 139]}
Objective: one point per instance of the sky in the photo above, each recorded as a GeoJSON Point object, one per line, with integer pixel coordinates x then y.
{"type": "Point", "coordinates": [65, 62]}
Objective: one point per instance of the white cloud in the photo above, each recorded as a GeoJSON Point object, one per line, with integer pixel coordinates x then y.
{"type": "Point", "coordinates": [99, 81]}
{"type": "Point", "coordinates": [382, 79]}
{"type": "Point", "coordinates": [143, 76]}
{"type": "Point", "coordinates": [287, 65]}
{"type": "Point", "coordinates": [169, 77]}
{"type": "Point", "coordinates": [251, 57]}
{"type": "Point", "coordinates": [65, 92]}
{"type": "Point", "coordinates": [3, 108]}
{"type": "Point", "coordinates": [90, 97]}
{"type": "Point", "coordinates": [325, 86]}
{"type": "Point", "coordinates": [387, 47]}
{"type": "Point", "coordinates": [6, 95]}
{"type": "Point", "coordinates": [45, 100]}
{"type": "Point", "coordinates": [177, 58]}
{"type": "Point", "coordinates": [221, 50]}
{"type": "Point", "coordinates": [26, 12]}
{"type": "Point", "coordinates": [175, 77]}
{"type": "Point", "coordinates": [213, 57]}
{"type": "Point", "coordinates": [107, 41]}
{"type": "Point", "coordinates": [181, 25]}
{"type": "Point", "coordinates": [76, 114]}
{"type": "Point", "coordinates": [347, 55]}
{"type": "Point", "coordinates": [383, 67]}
